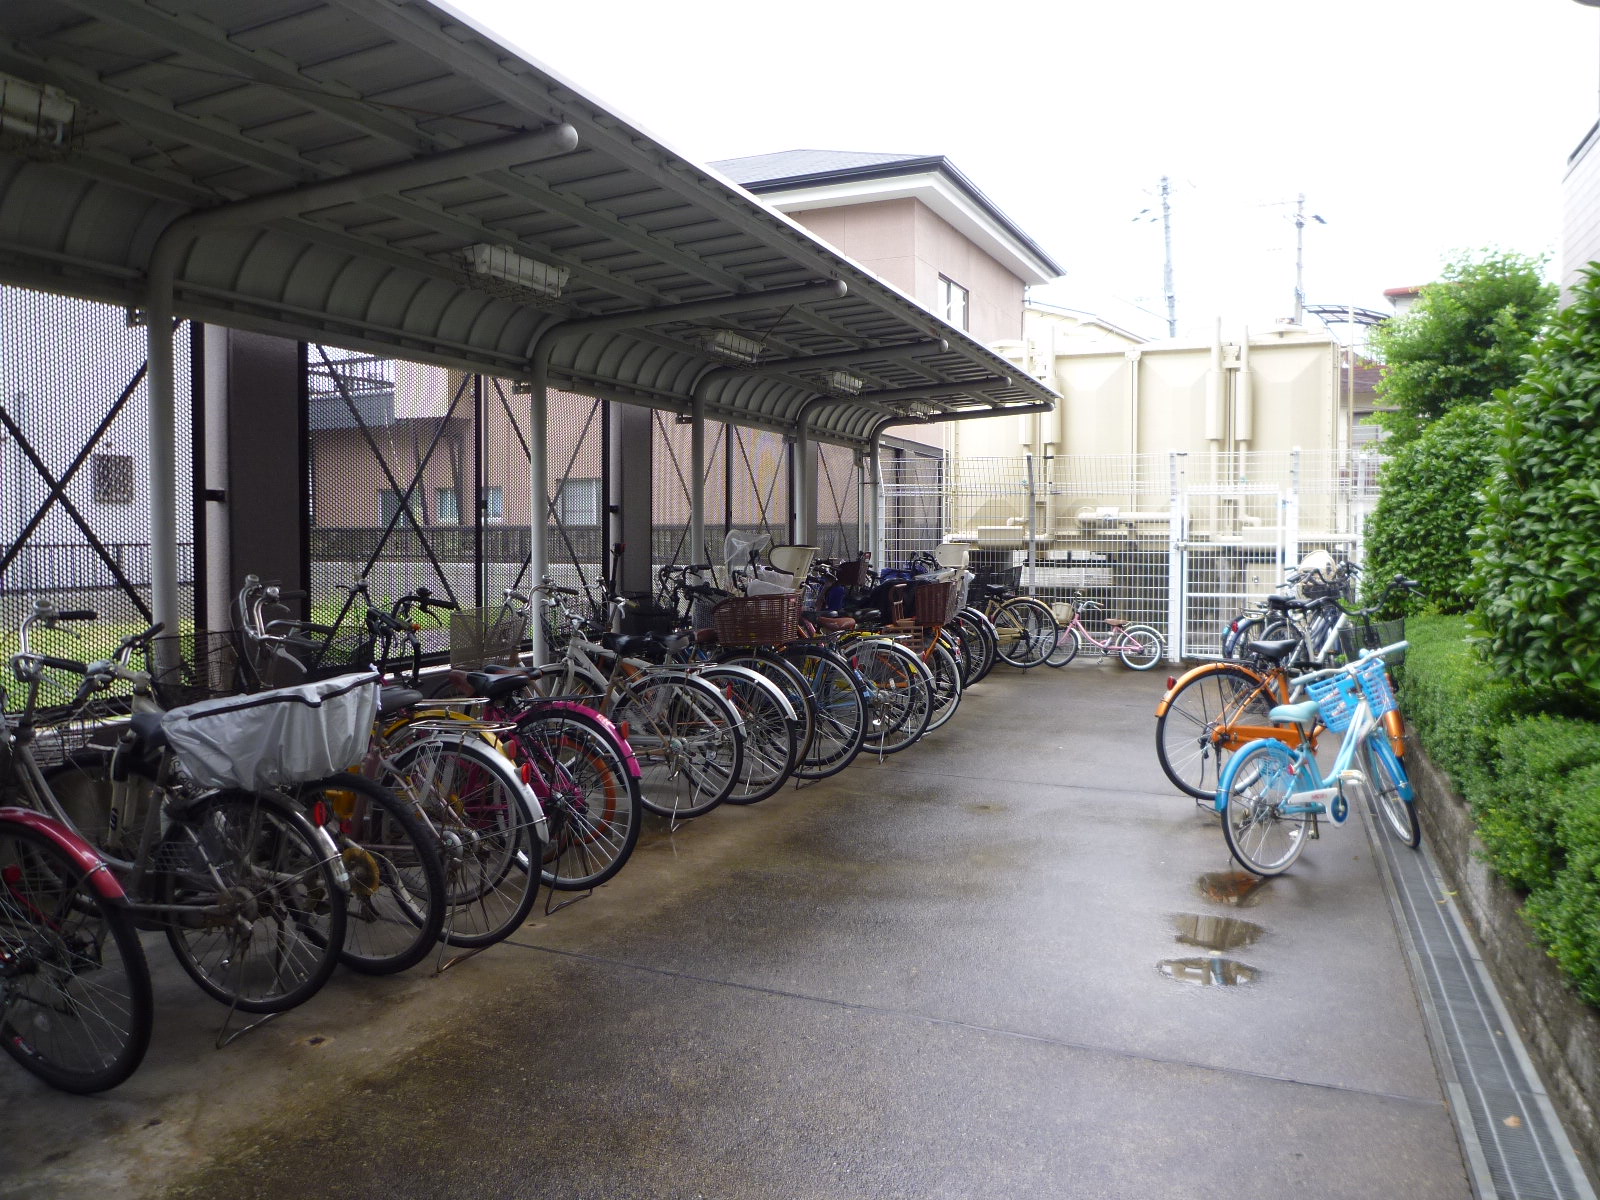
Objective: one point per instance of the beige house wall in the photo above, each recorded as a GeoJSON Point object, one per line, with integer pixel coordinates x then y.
{"type": "Point", "coordinates": [1580, 234]}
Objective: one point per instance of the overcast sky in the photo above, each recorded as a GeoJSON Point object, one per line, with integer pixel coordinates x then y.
{"type": "Point", "coordinates": [1415, 128]}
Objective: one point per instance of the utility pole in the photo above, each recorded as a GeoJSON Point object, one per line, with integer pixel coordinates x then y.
{"type": "Point", "coordinates": [1300, 256]}
{"type": "Point", "coordinates": [1166, 273]}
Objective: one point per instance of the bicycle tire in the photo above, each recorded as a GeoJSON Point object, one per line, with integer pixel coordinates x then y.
{"type": "Point", "coordinates": [248, 863]}
{"type": "Point", "coordinates": [779, 671]}
{"type": "Point", "coordinates": [395, 910]}
{"type": "Point", "coordinates": [771, 730]}
{"type": "Point", "coordinates": [1068, 643]}
{"type": "Point", "coordinates": [1258, 781]}
{"type": "Point", "coordinates": [902, 695]}
{"type": "Point", "coordinates": [1186, 731]}
{"type": "Point", "coordinates": [947, 689]}
{"type": "Point", "coordinates": [591, 800]}
{"type": "Point", "coordinates": [1235, 639]}
{"type": "Point", "coordinates": [835, 695]}
{"type": "Point", "coordinates": [979, 625]}
{"type": "Point", "coordinates": [488, 834]}
{"type": "Point", "coordinates": [1390, 788]}
{"type": "Point", "coordinates": [1025, 630]}
{"type": "Point", "coordinates": [687, 740]}
{"type": "Point", "coordinates": [78, 1010]}
{"type": "Point", "coordinates": [1140, 647]}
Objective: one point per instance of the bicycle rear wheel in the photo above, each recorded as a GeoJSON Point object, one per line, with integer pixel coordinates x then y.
{"type": "Point", "coordinates": [1189, 734]}
{"type": "Point", "coordinates": [1259, 783]}
{"type": "Point", "coordinates": [771, 730]}
{"type": "Point", "coordinates": [836, 696]}
{"type": "Point", "coordinates": [981, 636]}
{"type": "Point", "coordinates": [1025, 631]}
{"type": "Point", "coordinates": [901, 695]}
{"type": "Point", "coordinates": [396, 905]}
{"type": "Point", "coordinates": [264, 915]}
{"type": "Point", "coordinates": [1140, 647]}
{"type": "Point", "coordinates": [947, 689]}
{"type": "Point", "coordinates": [75, 1005]}
{"type": "Point", "coordinates": [488, 834]}
{"type": "Point", "coordinates": [687, 739]}
{"type": "Point", "coordinates": [591, 800]}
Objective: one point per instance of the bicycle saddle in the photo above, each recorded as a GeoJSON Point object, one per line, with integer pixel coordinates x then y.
{"type": "Point", "coordinates": [393, 699]}
{"type": "Point", "coordinates": [834, 622]}
{"type": "Point", "coordinates": [496, 685]}
{"type": "Point", "coordinates": [1273, 651]}
{"type": "Point", "coordinates": [1305, 713]}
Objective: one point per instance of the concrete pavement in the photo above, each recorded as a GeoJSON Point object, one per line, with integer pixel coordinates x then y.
{"type": "Point", "coordinates": [984, 967]}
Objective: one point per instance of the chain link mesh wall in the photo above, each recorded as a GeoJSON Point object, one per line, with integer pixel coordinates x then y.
{"type": "Point", "coordinates": [419, 478]}
{"type": "Point", "coordinates": [838, 502]}
{"type": "Point", "coordinates": [75, 467]}
{"type": "Point", "coordinates": [670, 486]}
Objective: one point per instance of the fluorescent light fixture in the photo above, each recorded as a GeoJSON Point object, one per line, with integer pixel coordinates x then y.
{"type": "Point", "coordinates": [843, 381]}
{"type": "Point", "coordinates": [735, 347]}
{"type": "Point", "coordinates": [921, 408]}
{"type": "Point", "coordinates": [507, 266]}
{"type": "Point", "coordinates": [35, 111]}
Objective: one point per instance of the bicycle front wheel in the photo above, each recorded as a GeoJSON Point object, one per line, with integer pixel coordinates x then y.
{"type": "Point", "coordinates": [981, 640]}
{"type": "Point", "coordinates": [75, 1006]}
{"type": "Point", "coordinates": [396, 903]}
{"type": "Point", "coordinates": [1025, 631]}
{"type": "Point", "coordinates": [1068, 643]}
{"type": "Point", "coordinates": [590, 798]}
{"type": "Point", "coordinates": [947, 690]}
{"type": "Point", "coordinates": [263, 915]}
{"type": "Point", "coordinates": [1390, 788]}
{"type": "Point", "coordinates": [899, 692]}
{"type": "Point", "coordinates": [1140, 647]}
{"type": "Point", "coordinates": [1259, 784]}
{"type": "Point", "coordinates": [1191, 733]}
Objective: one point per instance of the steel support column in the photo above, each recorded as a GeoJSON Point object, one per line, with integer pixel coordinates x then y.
{"type": "Point", "coordinates": [697, 481]}
{"type": "Point", "coordinates": [538, 496]}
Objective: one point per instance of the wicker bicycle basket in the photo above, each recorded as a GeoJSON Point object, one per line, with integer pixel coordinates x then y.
{"type": "Point", "coordinates": [480, 636]}
{"type": "Point", "coordinates": [935, 603]}
{"type": "Point", "coordinates": [756, 620]}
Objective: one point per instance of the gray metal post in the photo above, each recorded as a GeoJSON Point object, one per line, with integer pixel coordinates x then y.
{"type": "Point", "coordinates": [697, 481]}
{"type": "Point", "coordinates": [538, 494]}
{"type": "Point", "coordinates": [861, 500]}
{"type": "Point", "coordinates": [163, 465]}
{"type": "Point", "coordinates": [1033, 524]}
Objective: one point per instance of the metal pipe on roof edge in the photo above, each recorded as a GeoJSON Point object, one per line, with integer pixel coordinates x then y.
{"type": "Point", "coordinates": [692, 310]}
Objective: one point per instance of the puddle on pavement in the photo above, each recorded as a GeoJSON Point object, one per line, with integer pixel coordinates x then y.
{"type": "Point", "coordinates": [1215, 933]}
{"type": "Point", "coordinates": [1211, 971]}
{"type": "Point", "coordinates": [1238, 888]}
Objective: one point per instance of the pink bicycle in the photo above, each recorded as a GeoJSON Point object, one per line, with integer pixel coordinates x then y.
{"type": "Point", "coordinates": [1138, 646]}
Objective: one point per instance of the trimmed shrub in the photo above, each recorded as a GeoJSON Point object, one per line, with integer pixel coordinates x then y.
{"type": "Point", "coordinates": [1519, 815]}
{"type": "Point", "coordinates": [1566, 913]}
{"type": "Point", "coordinates": [1537, 570]}
{"type": "Point", "coordinates": [1428, 504]}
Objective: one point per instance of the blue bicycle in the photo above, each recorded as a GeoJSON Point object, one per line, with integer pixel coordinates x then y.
{"type": "Point", "coordinates": [1271, 795]}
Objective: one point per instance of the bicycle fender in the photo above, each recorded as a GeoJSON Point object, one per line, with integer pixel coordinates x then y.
{"type": "Point", "coordinates": [605, 723]}
{"type": "Point", "coordinates": [1196, 673]}
{"type": "Point", "coordinates": [74, 847]}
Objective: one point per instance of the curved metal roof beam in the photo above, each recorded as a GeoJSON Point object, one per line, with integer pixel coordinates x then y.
{"type": "Point", "coordinates": [692, 310]}
{"type": "Point", "coordinates": [844, 358]}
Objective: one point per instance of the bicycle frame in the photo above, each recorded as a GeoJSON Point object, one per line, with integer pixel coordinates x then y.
{"type": "Point", "coordinates": [1231, 737]}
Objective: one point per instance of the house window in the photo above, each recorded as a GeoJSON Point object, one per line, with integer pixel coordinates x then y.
{"type": "Point", "coordinates": [578, 502]}
{"type": "Point", "coordinates": [494, 504]}
{"type": "Point", "coordinates": [112, 477]}
{"type": "Point", "coordinates": [953, 302]}
{"type": "Point", "coordinates": [389, 506]}
{"type": "Point", "coordinates": [447, 506]}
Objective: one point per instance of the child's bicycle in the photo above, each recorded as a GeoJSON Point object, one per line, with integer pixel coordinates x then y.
{"type": "Point", "coordinates": [1271, 795]}
{"type": "Point", "coordinates": [1138, 646]}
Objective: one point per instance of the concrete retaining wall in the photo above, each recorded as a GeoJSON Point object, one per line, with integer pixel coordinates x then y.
{"type": "Point", "coordinates": [1560, 1030]}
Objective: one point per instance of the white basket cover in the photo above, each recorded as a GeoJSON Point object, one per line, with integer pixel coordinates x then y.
{"type": "Point", "coordinates": [276, 738]}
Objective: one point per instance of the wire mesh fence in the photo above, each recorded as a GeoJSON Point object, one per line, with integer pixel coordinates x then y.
{"type": "Point", "coordinates": [74, 469]}
{"type": "Point", "coordinates": [1178, 541]}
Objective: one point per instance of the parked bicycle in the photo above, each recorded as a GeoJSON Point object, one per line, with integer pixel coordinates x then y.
{"type": "Point", "coordinates": [1140, 647]}
{"type": "Point", "coordinates": [1271, 797]}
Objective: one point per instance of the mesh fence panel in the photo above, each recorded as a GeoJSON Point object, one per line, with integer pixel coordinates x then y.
{"type": "Point", "coordinates": [670, 486]}
{"type": "Point", "coordinates": [75, 467]}
{"type": "Point", "coordinates": [838, 502]}
{"type": "Point", "coordinates": [758, 484]}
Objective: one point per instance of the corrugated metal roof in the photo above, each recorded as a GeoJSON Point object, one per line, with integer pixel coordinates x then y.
{"type": "Point", "coordinates": [791, 164]}
{"type": "Point", "coordinates": [345, 155]}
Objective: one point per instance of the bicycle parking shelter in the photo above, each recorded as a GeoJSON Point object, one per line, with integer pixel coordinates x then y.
{"type": "Point", "coordinates": [387, 177]}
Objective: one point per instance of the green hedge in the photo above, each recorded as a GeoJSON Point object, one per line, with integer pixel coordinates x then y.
{"type": "Point", "coordinates": [1530, 770]}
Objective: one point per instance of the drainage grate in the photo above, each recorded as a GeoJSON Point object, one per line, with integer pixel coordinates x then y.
{"type": "Point", "coordinates": [1513, 1141]}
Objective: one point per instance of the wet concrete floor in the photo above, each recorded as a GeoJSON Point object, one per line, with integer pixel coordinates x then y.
{"type": "Point", "coordinates": [1009, 962]}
